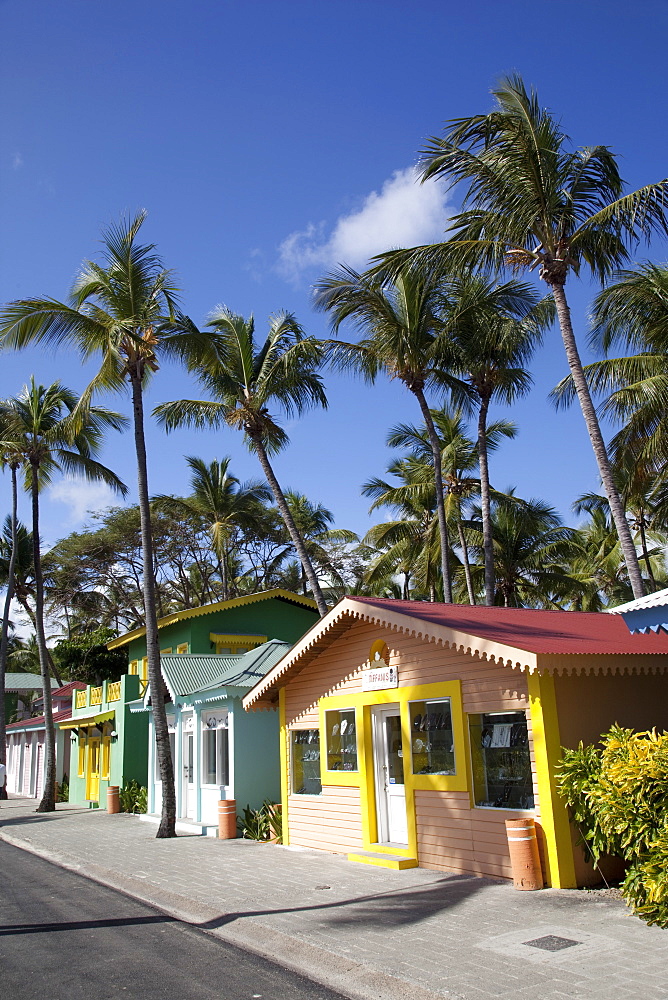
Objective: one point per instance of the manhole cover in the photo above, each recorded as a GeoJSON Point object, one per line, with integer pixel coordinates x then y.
{"type": "Point", "coordinates": [551, 942]}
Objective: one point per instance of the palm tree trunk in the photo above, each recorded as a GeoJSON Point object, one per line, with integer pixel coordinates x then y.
{"type": "Point", "coordinates": [48, 802]}
{"type": "Point", "coordinates": [465, 560]}
{"type": "Point", "coordinates": [32, 616]}
{"type": "Point", "coordinates": [438, 485]}
{"type": "Point", "coordinates": [485, 505]}
{"type": "Point", "coordinates": [288, 520]}
{"type": "Point", "coordinates": [598, 444]}
{"type": "Point", "coordinates": [645, 551]}
{"type": "Point", "coordinates": [222, 561]}
{"type": "Point", "coordinates": [5, 624]}
{"type": "Point", "coordinates": [167, 827]}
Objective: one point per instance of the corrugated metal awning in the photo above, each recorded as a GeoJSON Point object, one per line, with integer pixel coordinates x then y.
{"type": "Point", "coordinates": [89, 720]}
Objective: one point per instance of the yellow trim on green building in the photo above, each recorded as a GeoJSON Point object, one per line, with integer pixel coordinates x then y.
{"type": "Point", "coordinates": [207, 609]}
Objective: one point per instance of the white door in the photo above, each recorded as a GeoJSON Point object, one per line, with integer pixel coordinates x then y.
{"type": "Point", "coordinates": [389, 769]}
{"type": "Point", "coordinates": [189, 774]}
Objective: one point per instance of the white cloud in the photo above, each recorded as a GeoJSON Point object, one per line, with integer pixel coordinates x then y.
{"type": "Point", "coordinates": [82, 498]}
{"type": "Point", "coordinates": [404, 213]}
{"type": "Point", "coordinates": [17, 162]}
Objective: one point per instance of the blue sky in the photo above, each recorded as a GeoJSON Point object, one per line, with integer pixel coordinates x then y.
{"type": "Point", "coordinates": [269, 141]}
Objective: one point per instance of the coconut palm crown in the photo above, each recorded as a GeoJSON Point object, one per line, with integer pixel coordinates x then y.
{"type": "Point", "coordinates": [399, 324]}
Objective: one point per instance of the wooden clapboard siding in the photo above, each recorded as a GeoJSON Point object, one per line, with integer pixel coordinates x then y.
{"type": "Point", "coordinates": [451, 835]}
{"type": "Point", "coordinates": [454, 837]}
{"type": "Point", "coordinates": [331, 821]}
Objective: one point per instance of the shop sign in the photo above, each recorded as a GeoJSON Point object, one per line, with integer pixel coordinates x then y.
{"type": "Point", "coordinates": [378, 678]}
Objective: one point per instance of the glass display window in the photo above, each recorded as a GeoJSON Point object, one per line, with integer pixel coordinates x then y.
{"type": "Point", "coordinates": [500, 760]}
{"type": "Point", "coordinates": [215, 749]}
{"type": "Point", "coordinates": [432, 739]}
{"type": "Point", "coordinates": [341, 736]}
{"type": "Point", "coordinates": [305, 751]}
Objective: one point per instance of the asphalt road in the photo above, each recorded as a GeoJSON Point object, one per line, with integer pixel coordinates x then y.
{"type": "Point", "coordinates": [63, 937]}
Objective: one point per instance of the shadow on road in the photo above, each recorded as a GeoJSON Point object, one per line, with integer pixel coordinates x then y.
{"type": "Point", "coordinates": [83, 925]}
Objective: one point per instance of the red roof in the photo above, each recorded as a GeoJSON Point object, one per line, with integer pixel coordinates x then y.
{"type": "Point", "coordinates": [565, 632]}
{"type": "Point", "coordinates": [38, 721]}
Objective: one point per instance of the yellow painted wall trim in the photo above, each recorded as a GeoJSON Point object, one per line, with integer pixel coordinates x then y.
{"type": "Point", "coordinates": [547, 752]}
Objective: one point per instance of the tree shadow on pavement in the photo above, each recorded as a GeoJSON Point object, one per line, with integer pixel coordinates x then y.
{"type": "Point", "coordinates": [386, 910]}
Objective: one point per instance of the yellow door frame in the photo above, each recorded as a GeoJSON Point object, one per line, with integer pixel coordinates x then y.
{"type": "Point", "coordinates": [93, 773]}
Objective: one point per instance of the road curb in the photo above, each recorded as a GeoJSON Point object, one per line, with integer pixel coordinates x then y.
{"type": "Point", "coordinates": [337, 972]}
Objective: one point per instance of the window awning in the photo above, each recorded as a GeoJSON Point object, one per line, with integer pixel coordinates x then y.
{"type": "Point", "coordinates": [89, 720]}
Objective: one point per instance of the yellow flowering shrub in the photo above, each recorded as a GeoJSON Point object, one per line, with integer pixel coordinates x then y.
{"type": "Point", "coordinates": [617, 792]}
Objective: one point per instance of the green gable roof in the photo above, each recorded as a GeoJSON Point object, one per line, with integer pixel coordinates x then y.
{"type": "Point", "coordinates": [26, 682]}
{"type": "Point", "coordinates": [190, 673]}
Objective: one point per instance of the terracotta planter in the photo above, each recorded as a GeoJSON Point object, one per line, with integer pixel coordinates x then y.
{"type": "Point", "coordinates": [227, 819]}
{"type": "Point", "coordinates": [524, 856]}
{"type": "Point", "coordinates": [113, 802]}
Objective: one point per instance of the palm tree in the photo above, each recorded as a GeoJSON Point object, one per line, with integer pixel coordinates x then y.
{"type": "Point", "coordinates": [532, 549]}
{"type": "Point", "coordinates": [409, 545]}
{"type": "Point", "coordinates": [400, 325]}
{"type": "Point", "coordinates": [490, 332]}
{"type": "Point", "coordinates": [50, 439]}
{"type": "Point", "coordinates": [459, 456]}
{"type": "Point", "coordinates": [313, 521]}
{"type": "Point", "coordinates": [596, 562]}
{"type": "Point", "coordinates": [633, 312]}
{"type": "Point", "coordinates": [124, 310]}
{"type": "Point", "coordinates": [218, 498]}
{"type": "Point", "coordinates": [245, 378]}
{"type": "Point", "coordinates": [533, 202]}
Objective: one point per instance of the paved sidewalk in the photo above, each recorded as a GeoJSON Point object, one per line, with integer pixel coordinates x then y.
{"type": "Point", "coordinates": [371, 933]}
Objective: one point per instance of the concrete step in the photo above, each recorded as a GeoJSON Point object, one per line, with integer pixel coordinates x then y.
{"type": "Point", "coordinates": [186, 826]}
{"type": "Point", "coordinates": [394, 861]}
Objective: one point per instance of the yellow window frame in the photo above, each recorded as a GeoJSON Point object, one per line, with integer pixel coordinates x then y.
{"type": "Point", "coordinates": [183, 647]}
{"type": "Point", "coordinates": [81, 757]}
{"type": "Point", "coordinates": [234, 641]}
{"type": "Point", "coordinates": [106, 756]}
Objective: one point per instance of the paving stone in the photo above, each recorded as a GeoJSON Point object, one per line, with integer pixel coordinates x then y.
{"type": "Point", "coordinates": [452, 936]}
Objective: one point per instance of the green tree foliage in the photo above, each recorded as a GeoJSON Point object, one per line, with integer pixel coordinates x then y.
{"type": "Point", "coordinates": [227, 507]}
{"type": "Point", "coordinates": [532, 549]}
{"type": "Point", "coordinates": [618, 795]}
{"type": "Point", "coordinates": [86, 657]}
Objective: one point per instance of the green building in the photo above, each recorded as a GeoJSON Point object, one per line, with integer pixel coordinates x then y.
{"type": "Point", "coordinates": [227, 627]}
{"type": "Point", "coordinates": [218, 751]}
{"type": "Point", "coordinates": [109, 744]}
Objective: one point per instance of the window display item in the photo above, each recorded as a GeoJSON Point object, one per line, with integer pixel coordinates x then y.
{"type": "Point", "coordinates": [306, 761]}
{"type": "Point", "coordinates": [341, 740]}
{"type": "Point", "coordinates": [500, 759]}
{"type": "Point", "coordinates": [431, 737]}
